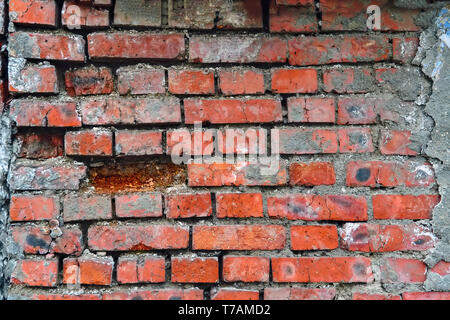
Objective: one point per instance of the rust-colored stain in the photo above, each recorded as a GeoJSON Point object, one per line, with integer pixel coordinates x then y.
{"type": "Point", "coordinates": [136, 177]}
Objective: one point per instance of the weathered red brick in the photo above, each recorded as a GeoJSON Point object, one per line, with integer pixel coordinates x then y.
{"type": "Point", "coordinates": [304, 51]}
{"type": "Point", "coordinates": [40, 146]}
{"type": "Point", "coordinates": [221, 111]}
{"type": "Point", "coordinates": [312, 174]}
{"type": "Point", "coordinates": [405, 49]}
{"type": "Point", "coordinates": [88, 270]}
{"type": "Point", "coordinates": [66, 297]}
{"type": "Point", "coordinates": [307, 141]}
{"type": "Point", "coordinates": [87, 207]}
{"type": "Point", "coordinates": [235, 294]}
{"type": "Point", "coordinates": [139, 205]}
{"type": "Point", "coordinates": [34, 113]}
{"type": "Point", "coordinates": [235, 49]}
{"type": "Point", "coordinates": [357, 110]}
{"type": "Point", "coordinates": [89, 80]}
{"type": "Point", "coordinates": [191, 81]}
{"type": "Point", "coordinates": [321, 237]}
{"type": "Point", "coordinates": [31, 45]}
{"type": "Point", "coordinates": [32, 239]}
{"type": "Point", "coordinates": [33, 208]}
{"type": "Point", "coordinates": [33, 78]}
{"type": "Point", "coordinates": [326, 270]}
{"type": "Point", "coordinates": [136, 46]}
{"type": "Point", "coordinates": [426, 296]}
{"type": "Point", "coordinates": [348, 80]}
{"type": "Point", "coordinates": [295, 2]}
{"type": "Point", "coordinates": [239, 205]}
{"type": "Point", "coordinates": [188, 205]}
{"type": "Point", "coordinates": [238, 81]}
{"type": "Point", "coordinates": [141, 81]}
{"type": "Point", "coordinates": [317, 208]}
{"type": "Point", "coordinates": [289, 19]}
{"type": "Point", "coordinates": [138, 143]}
{"type": "Point", "coordinates": [299, 294]}
{"type": "Point", "coordinates": [311, 110]}
{"type": "Point", "coordinates": [195, 270]}
{"type": "Point", "coordinates": [161, 294]}
{"type": "Point", "coordinates": [141, 269]}
{"type": "Point", "coordinates": [397, 270]}
{"type": "Point", "coordinates": [241, 174]}
{"type": "Point", "coordinates": [131, 111]}
{"type": "Point", "coordinates": [70, 242]}
{"type": "Point", "coordinates": [237, 141]}
{"type": "Point", "coordinates": [239, 237]}
{"type": "Point", "coordinates": [398, 142]}
{"type": "Point", "coordinates": [137, 237]}
{"type": "Point", "coordinates": [246, 269]}
{"type": "Point", "coordinates": [36, 273]}
{"type": "Point", "coordinates": [386, 238]}
{"type": "Point", "coordinates": [294, 81]}
{"type": "Point", "coordinates": [89, 143]}
{"type": "Point", "coordinates": [372, 297]}
{"type": "Point", "coordinates": [33, 12]}
{"type": "Point", "coordinates": [76, 15]}
{"type": "Point", "coordinates": [137, 13]}
{"type": "Point", "coordinates": [355, 140]}
{"type": "Point", "coordinates": [183, 142]}
{"type": "Point", "coordinates": [404, 206]}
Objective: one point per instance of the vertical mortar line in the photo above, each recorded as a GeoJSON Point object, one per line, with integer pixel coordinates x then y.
{"type": "Point", "coordinates": [318, 14]}
{"type": "Point", "coordinates": [265, 4]}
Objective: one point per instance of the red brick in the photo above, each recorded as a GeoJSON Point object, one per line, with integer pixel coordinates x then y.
{"type": "Point", "coordinates": [66, 297]}
{"type": "Point", "coordinates": [188, 205]}
{"type": "Point", "coordinates": [141, 81]}
{"type": "Point", "coordinates": [33, 12]}
{"type": "Point", "coordinates": [161, 294]}
{"type": "Point", "coordinates": [352, 16]}
{"type": "Point", "coordinates": [288, 19]}
{"type": "Point", "coordinates": [90, 80]}
{"type": "Point", "coordinates": [141, 269]}
{"type": "Point", "coordinates": [221, 111]}
{"type": "Point", "coordinates": [195, 270]}
{"type": "Point", "coordinates": [405, 49]}
{"type": "Point", "coordinates": [404, 206]}
{"type": "Point", "coordinates": [240, 174]}
{"type": "Point", "coordinates": [32, 239]}
{"type": "Point", "coordinates": [239, 81]}
{"type": "Point", "coordinates": [33, 208]}
{"type": "Point", "coordinates": [46, 176]}
{"type": "Point", "coordinates": [246, 269]}
{"type": "Point", "coordinates": [311, 110]}
{"type": "Point", "coordinates": [236, 49]}
{"type": "Point", "coordinates": [32, 113]}
{"type": "Point", "coordinates": [294, 81]}
{"type": "Point", "coordinates": [396, 142]}
{"type": "Point", "coordinates": [235, 294]}
{"type": "Point", "coordinates": [355, 140]}
{"type": "Point", "coordinates": [295, 2]}
{"type": "Point", "coordinates": [83, 15]}
{"type": "Point", "coordinates": [326, 270]}
{"type": "Point", "coordinates": [305, 51]}
{"type": "Point", "coordinates": [40, 146]}
{"type": "Point", "coordinates": [139, 205]}
{"type": "Point", "coordinates": [131, 111]}
{"type": "Point", "coordinates": [137, 237]}
{"type": "Point", "coordinates": [138, 143]}
{"type": "Point", "coordinates": [250, 14]}
{"type": "Point", "coordinates": [442, 268]}
{"type": "Point", "coordinates": [386, 238]}
{"type": "Point", "coordinates": [357, 110]}
{"type": "Point", "coordinates": [307, 141]}
{"type": "Point", "coordinates": [36, 273]}
{"type": "Point", "coordinates": [389, 174]}
{"type": "Point", "coordinates": [136, 46]}
{"type": "Point", "coordinates": [237, 141]}
{"type": "Point", "coordinates": [239, 205]}
{"type": "Point", "coordinates": [89, 143]}
{"type": "Point", "coordinates": [45, 46]}
{"type": "Point", "coordinates": [87, 207]}
{"type": "Point", "coordinates": [372, 297]}
{"type": "Point", "coordinates": [191, 81]}
{"type": "Point", "coordinates": [394, 270]}
{"type": "Point", "coordinates": [299, 294]}
{"type": "Point", "coordinates": [183, 142]}
{"type": "Point", "coordinates": [317, 208]}
{"type": "Point", "coordinates": [88, 270]}
{"type": "Point", "coordinates": [426, 296]}
{"type": "Point", "coordinates": [348, 80]}
{"type": "Point", "coordinates": [321, 237]}
{"type": "Point", "coordinates": [69, 243]}
{"type": "Point", "coordinates": [239, 237]}
{"type": "Point", "coordinates": [33, 78]}
{"type": "Point", "coordinates": [312, 174]}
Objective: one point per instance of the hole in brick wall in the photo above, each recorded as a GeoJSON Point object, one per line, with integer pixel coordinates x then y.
{"type": "Point", "coordinates": [136, 177]}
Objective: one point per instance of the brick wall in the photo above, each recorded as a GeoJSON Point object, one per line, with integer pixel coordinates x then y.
{"type": "Point", "coordinates": [103, 92]}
